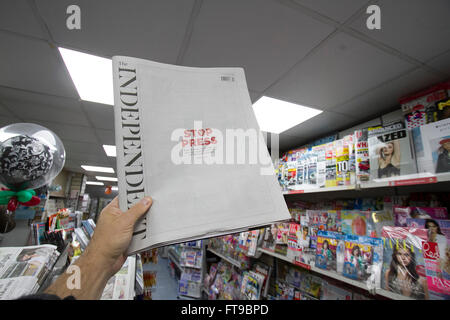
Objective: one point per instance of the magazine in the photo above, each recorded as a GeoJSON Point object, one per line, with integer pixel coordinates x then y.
{"type": "Point", "coordinates": [358, 257]}
{"type": "Point", "coordinates": [401, 214]}
{"type": "Point", "coordinates": [327, 242]}
{"type": "Point", "coordinates": [390, 151]}
{"type": "Point", "coordinates": [270, 236]}
{"type": "Point", "coordinates": [251, 286]}
{"type": "Point", "coordinates": [24, 269]}
{"type": "Point", "coordinates": [438, 275]}
{"type": "Point", "coordinates": [362, 155]}
{"type": "Point", "coordinates": [354, 222]}
{"type": "Point", "coordinates": [121, 285]}
{"type": "Point", "coordinates": [320, 151]}
{"type": "Point", "coordinates": [331, 291]}
{"type": "Point", "coordinates": [176, 132]}
{"type": "Point", "coordinates": [377, 220]}
{"type": "Point", "coordinates": [281, 242]}
{"type": "Point", "coordinates": [343, 176]}
{"type": "Point", "coordinates": [330, 160]}
{"type": "Point", "coordinates": [403, 264]}
{"type": "Point", "coordinates": [436, 147]}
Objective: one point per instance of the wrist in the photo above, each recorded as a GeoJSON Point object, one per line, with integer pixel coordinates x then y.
{"type": "Point", "coordinates": [94, 256]}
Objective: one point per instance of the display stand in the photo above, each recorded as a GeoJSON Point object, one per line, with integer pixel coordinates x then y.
{"type": "Point", "coordinates": [190, 273]}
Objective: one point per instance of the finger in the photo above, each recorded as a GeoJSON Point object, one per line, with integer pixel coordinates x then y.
{"type": "Point", "coordinates": [114, 203]}
{"type": "Point", "coordinates": [138, 210]}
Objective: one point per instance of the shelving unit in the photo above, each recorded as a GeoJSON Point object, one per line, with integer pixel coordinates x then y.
{"type": "Point", "coordinates": [337, 276]}
{"type": "Point", "coordinates": [173, 256]}
{"type": "Point", "coordinates": [419, 179]}
{"type": "Point", "coordinates": [226, 258]}
{"type": "Point", "coordinates": [177, 261]}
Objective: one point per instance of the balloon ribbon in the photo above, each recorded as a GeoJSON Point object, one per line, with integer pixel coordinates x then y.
{"type": "Point", "coordinates": [26, 198]}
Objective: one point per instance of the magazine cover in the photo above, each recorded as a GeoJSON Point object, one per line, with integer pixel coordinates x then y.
{"type": "Point", "coordinates": [312, 169]}
{"type": "Point", "coordinates": [377, 220]}
{"type": "Point", "coordinates": [438, 276]}
{"type": "Point", "coordinates": [332, 291]}
{"type": "Point", "coordinates": [281, 242]}
{"type": "Point", "coordinates": [330, 161]}
{"type": "Point", "coordinates": [291, 173]}
{"type": "Point", "coordinates": [358, 258]}
{"type": "Point", "coordinates": [438, 232]}
{"type": "Point", "coordinates": [333, 221]}
{"type": "Point", "coordinates": [436, 147]}
{"type": "Point", "coordinates": [354, 222]}
{"type": "Point", "coordinates": [293, 240]}
{"type": "Point", "coordinates": [317, 220]}
{"type": "Point", "coordinates": [327, 243]}
{"type": "Point", "coordinates": [403, 263]}
{"type": "Point", "coordinates": [302, 169]}
{"type": "Point", "coordinates": [390, 151]}
{"type": "Point", "coordinates": [443, 109]}
{"type": "Point", "coordinates": [342, 163]}
{"type": "Point", "coordinates": [401, 214]}
{"type": "Point", "coordinates": [362, 155]}
{"type": "Point", "coordinates": [190, 116]}
{"type": "Point", "coordinates": [320, 151]}
{"type": "Point", "coordinates": [349, 140]}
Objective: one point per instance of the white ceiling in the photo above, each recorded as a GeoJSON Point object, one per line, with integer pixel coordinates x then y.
{"type": "Point", "coordinates": [315, 52]}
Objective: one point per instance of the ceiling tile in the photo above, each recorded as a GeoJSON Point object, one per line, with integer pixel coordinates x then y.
{"type": "Point", "coordinates": [70, 132]}
{"type": "Point", "coordinates": [441, 63]}
{"type": "Point", "coordinates": [341, 69]}
{"type": "Point", "coordinates": [33, 106]}
{"type": "Point", "coordinates": [84, 148]}
{"type": "Point", "coordinates": [264, 37]}
{"type": "Point", "coordinates": [139, 28]}
{"type": "Point", "coordinates": [88, 159]}
{"type": "Point", "coordinates": [6, 121]}
{"type": "Point", "coordinates": [416, 28]}
{"type": "Point", "coordinates": [106, 136]}
{"type": "Point", "coordinates": [100, 115]}
{"type": "Point", "coordinates": [387, 95]}
{"type": "Point", "coordinates": [319, 126]}
{"type": "Point", "coordinates": [4, 110]}
{"type": "Point", "coordinates": [33, 65]}
{"type": "Point", "coordinates": [17, 16]}
{"type": "Point", "coordinates": [337, 10]}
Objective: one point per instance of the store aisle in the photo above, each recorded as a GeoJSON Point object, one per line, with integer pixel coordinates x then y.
{"type": "Point", "coordinates": [166, 287]}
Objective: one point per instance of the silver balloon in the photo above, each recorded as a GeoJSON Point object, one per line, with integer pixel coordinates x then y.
{"type": "Point", "coordinates": [31, 156]}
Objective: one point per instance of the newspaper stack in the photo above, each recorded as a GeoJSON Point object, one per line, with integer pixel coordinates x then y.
{"type": "Point", "coordinates": [24, 269]}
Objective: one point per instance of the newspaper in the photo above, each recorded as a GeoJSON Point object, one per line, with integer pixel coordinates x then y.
{"type": "Point", "coordinates": [24, 269]}
{"type": "Point", "coordinates": [121, 285]}
{"type": "Point", "coordinates": [188, 137]}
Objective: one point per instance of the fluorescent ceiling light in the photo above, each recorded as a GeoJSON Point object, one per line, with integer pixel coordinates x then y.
{"type": "Point", "coordinates": [276, 116]}
{"type": "Point", "coordinates": [105, 178]}
{"type": "Point", "coordinates": [95, 183]}
{"type": "Point", "coordinates": [91, 75]}
{"type": "Point", "coordinates": [115, 188]}
{"type": "Point", "coordinates": [110, 150]}
{"type": "Point", "coordinates": [98, 169]}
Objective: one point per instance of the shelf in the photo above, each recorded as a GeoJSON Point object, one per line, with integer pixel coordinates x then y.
{"type": "Point", "coordinates": [408, 180]}
{"type": "Point", "coordinates": [173, 256]}
{"type": "Point", "coordinates": [319, 190]}
{"type": "Point", "coordinates": [336, 276]}
{"type": "Point", "coordinates": [417, 179]}
{"type": "Point", "coordinates": [230, 260]}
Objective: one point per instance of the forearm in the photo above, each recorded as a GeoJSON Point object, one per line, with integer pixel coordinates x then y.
{"type": "Point", "coordinates": [86, 282]}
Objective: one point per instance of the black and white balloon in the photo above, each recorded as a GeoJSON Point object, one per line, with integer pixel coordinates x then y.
{"type": "Point", "coordinates": [31, 156]}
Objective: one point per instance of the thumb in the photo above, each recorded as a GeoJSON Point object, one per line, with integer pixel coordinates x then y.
{"type": "Point", "coordinates": [138, 210]}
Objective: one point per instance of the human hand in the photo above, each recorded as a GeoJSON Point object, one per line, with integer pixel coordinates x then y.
{"type": "Point", "coordinates": [113, 233]}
